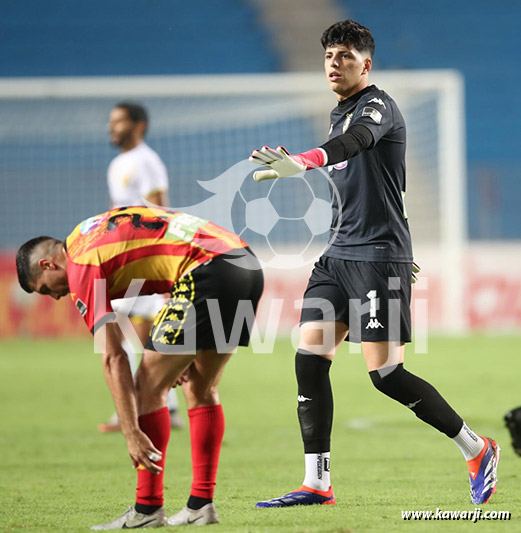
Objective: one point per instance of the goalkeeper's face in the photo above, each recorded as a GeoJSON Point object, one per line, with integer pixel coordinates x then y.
{"type": "Point", "coordinates": [347, 70]}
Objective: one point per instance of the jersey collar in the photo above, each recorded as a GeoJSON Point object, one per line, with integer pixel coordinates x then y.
{"type": "Point", "coordinates": [353, 99]}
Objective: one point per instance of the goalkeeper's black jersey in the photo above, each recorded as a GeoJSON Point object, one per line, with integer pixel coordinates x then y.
{"type": "Point", "coordinates": [369, 221]}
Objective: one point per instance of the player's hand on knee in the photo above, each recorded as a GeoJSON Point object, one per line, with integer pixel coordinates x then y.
{"type": "Point", "coordinates": [143, 452]}
{"type": "Point", "coordinates": [280, 162]}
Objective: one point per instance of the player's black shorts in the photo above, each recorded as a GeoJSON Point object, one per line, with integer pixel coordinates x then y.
{"type": "Point", "coordinates": [372, 298]}
{"type": "Point", "coordinates": [211, 307]}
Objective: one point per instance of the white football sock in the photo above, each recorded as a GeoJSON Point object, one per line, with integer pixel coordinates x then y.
{"type": "Point", "coordinates": [173, 402]}
{"type": "Point", "coordinates": [131, 354]}
{"type": "Point", "coordinates": [133, 359]}
{"type": "Point", "coordinates": [317, 471]}
{"type": "Point", "coordinates": [468, 442]}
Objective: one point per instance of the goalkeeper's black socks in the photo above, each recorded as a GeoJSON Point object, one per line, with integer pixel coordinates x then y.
{"type": "Point", "coordinates": [419, 396]}
{"type": "Point", "coordinates": [315, 401]}
{"type": "Point", "coordinates": [428, 405]}
{"type": "Point", "coordinates": [315, 413]}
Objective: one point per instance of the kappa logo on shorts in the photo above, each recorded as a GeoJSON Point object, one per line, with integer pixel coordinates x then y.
{"type": "Point", "coordinates": [374, 323]}
{"type": "Point", "coordinates": [374, 303]}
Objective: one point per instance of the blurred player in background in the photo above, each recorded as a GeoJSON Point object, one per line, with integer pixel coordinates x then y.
{"type": "Point", "coordinates": [201, 265]}
{"type": "Point", "coordinates": [513, 422]}
{"type": "Point", "coordinates": [368, 263]}
{"type": "Point", "coordinates": [137, 175]}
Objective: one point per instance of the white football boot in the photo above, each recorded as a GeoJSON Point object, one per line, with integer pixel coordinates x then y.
{"type": "Point", "coordinates": [200, 517]}
{"type": "Point", "coordinates": [131, 519]}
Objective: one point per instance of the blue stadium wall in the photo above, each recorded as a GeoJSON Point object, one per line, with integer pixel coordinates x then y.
{"type": "Point", "coordinates": [482, 40]}
{"type": "Point", "coordinates": [131, 37]}
{"type": "Point", "coordinates": [146, 37]}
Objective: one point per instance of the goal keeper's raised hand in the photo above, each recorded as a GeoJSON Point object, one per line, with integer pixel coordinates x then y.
{"type": "Point", "coordinates": [282, 164]}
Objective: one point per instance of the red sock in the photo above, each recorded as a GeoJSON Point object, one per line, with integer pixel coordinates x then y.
{"type": "Point", "coordinates": [156, 425]}
{"type": "Point", "coordinates": [206, 435]}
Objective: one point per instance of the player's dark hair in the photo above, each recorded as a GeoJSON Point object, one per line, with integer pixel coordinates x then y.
{"type": "Point", "coordinates": [136, 112]}
{"type": "Point", "coordinates": [27, 271]}
{"type": "Point", "coordinates": [351, 34]}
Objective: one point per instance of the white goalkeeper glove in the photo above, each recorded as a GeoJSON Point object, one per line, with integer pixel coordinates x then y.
{"type": "Point", "coordinates": [415, 270]}
{"type": "Point", "coordinates": [279, 162]}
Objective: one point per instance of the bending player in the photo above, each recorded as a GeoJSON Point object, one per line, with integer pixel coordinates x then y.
{"type": "Point", "coordinates": [137, 176]}
{"type": "Point", "coordinates": [363, 280]}
{"type": "Point", "coordinates": [202, 266]}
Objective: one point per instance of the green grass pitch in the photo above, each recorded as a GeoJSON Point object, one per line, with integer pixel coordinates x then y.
{"type": "Point", "coordinates": [58, 474]}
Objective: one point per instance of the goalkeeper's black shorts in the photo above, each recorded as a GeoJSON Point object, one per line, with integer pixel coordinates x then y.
{"type": "Point", "coordinates": [210, 307]}
{"type": "Point", "coordinates": [372, 298]}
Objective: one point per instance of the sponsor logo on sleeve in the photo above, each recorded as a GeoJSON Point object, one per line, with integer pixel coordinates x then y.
{"type": "Point", "coordinates": [372, 113]}
{"type": "Point", "coordinates": [82, 308]}
{"type": "Point", "coordinates": [338, 166]}
{"type": "Point", "coordinates": [90, 224]}
{"type": "Point", "coordinates": [341, 165]}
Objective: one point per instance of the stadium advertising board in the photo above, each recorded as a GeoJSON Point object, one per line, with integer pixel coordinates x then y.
{"type": "Point", "coordinates": [492, 297]}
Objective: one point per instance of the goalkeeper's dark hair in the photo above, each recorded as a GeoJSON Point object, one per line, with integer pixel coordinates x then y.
{"type": "Point", "coordinates": [351, 34]}
{"type": "Point", "coordinates": [26, 267]}
{"type": "Point", "coordinates": [136, 112]}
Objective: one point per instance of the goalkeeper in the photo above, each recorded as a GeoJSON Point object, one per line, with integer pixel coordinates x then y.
{"type": "Point", "coordinates": [360, 288]}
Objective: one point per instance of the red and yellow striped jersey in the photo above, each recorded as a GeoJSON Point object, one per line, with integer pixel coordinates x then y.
{"type": "Point", "coordinates": [137, 243]}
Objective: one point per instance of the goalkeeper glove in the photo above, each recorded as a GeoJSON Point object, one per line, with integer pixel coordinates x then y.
{"type": "Point", "coordinates": [415, 270]}
{"type": "Point", "coordinates": [282, 164]}
{"type": "Point", "coordinates": [279, 162]}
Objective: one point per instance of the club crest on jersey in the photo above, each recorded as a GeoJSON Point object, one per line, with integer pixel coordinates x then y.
{"type": "Point", "coordinates": [347, 121]}
{"type": "Point", "coordinates": [81, 306]}
{"type": "Point", "coordinates": [373, 113]}
{"type": "Point", "coordinates": [125, 179]}
{"type": "Point", "coordinates": [377, 101]}
{"type": "Point", "coordinates": [90, 224]}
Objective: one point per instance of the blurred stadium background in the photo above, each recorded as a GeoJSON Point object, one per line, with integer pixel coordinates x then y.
{"type": "Point", "coordinates": [221, 78]}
